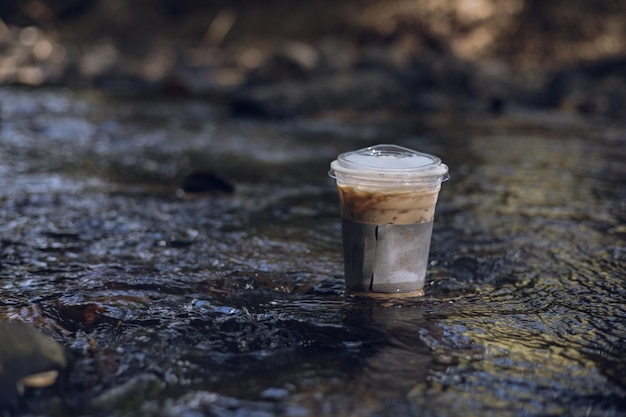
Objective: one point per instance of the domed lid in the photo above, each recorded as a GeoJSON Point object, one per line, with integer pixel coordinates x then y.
{"type": "Point", "coordinates": [388, 164]}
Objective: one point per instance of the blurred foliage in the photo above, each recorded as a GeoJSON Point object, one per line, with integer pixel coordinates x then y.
{"type": "Point", "coordinates": [209, 45]}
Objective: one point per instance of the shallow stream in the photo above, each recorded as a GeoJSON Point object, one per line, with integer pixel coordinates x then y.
{"type": "Point", "coordinates": [227, 304]}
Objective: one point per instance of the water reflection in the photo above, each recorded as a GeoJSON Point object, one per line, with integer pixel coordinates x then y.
{"type": "Point", "coordinates": [236, 303]}
{"type": "Point", "coordinates": [404, 359]}
{"type": "Point", "coordinates": [544, 303]}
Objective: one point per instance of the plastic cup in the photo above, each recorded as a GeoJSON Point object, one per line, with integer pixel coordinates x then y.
{"type": "Point", "coordinates": [388, 195]}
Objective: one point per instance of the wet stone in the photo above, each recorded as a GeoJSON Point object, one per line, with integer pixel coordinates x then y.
{"type": "Point", "coordinates": [206, 182]}
{"type": "Point", "coordinates": [28, 359]}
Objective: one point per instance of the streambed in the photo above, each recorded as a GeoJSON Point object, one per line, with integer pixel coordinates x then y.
{"type": "Point", "coordinates": [231, 302]}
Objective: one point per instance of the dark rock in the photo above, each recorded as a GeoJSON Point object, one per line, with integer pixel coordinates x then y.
{"type": "Point", "coordinates": [27, 358]}
{"type": "Point", "coordinates": [206, 182]}
{"type": "Point", "coordinates": [497, 106]}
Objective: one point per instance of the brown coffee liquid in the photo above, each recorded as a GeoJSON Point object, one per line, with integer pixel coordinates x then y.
{"type": "Point", "coordinates": [387, 206]}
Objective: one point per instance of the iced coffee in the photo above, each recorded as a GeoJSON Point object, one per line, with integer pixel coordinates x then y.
{"type": "Point", "coordinates": [388, 196]}
{"type": "Point", "coordinates": [399, 206]}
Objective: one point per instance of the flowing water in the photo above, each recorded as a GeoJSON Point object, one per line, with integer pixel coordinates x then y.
{"type": "Point", "coordinates": [227, 304]}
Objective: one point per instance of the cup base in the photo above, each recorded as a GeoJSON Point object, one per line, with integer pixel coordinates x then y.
{"type": "Point", "coordinates": [387, 295]}
{"type": "Point", "coordinates": [385, 258]}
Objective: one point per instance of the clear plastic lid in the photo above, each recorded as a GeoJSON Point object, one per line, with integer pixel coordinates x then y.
{"type": "Point", "coordinates": [387, 165]}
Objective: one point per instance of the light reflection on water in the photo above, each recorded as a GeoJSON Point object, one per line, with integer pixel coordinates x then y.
{"type": "Point", "coordinates": [237, 303]}
{"type": "Point", "coordinates": [551, 294]}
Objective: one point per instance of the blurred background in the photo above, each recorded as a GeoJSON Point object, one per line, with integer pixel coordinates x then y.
{"type": "Point", "coordinates": [285, 57]}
